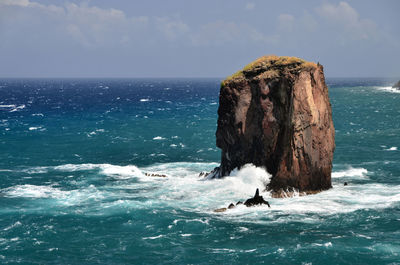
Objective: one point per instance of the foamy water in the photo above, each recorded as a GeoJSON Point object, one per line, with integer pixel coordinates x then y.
{"type": "Point", "coordinates": [388, 89]}
{"type": "Point", "coordinates": [184, 189]}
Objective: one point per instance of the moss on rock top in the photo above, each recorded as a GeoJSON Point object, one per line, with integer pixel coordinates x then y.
{"type": "Point", "coordinates": [270, 66]}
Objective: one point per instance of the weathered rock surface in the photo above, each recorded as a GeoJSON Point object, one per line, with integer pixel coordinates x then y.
{"type": "Point", "coordinates": [276, 113]}
{"type": "Point", "coordinates": [397, 85]}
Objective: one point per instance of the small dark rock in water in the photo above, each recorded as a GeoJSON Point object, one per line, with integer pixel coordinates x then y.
{"type": "Point", "coordinates": [155, 175]}
{"type": "Point", "coordinates": [345, 183]}
{"type": "Point", "coordinates": [203, 174]}
{"type": "Point", "coordinates": [397, 85]}
{"type": "Point", "coordinates": [256, 200]}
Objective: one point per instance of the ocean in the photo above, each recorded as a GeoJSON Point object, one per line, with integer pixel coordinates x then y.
{"type": "Point", "coordinates": [73, 189]}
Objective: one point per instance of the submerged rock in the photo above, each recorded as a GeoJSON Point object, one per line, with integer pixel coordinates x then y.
{"type": "Point", "coordinates": [275, 113]}
{"type": "Point", "coordinates": [397, 85]}
{"type": "Point", "coordinates": [220, 210]}
{"type": "Point", "coordinates": [256, 200]}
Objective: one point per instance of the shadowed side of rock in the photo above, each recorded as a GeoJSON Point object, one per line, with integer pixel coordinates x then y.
{"type": "Point", "coordinates": [276, 113]}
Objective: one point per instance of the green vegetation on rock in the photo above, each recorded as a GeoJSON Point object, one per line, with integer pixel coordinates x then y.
{"type": "Point", "coordinates": [269, 67]}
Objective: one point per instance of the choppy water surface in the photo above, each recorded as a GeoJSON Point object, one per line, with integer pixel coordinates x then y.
{"type": "Point", "coordinates": [73, 189]}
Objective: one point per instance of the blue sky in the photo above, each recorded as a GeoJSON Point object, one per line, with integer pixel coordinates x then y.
{"type": "Point", "coordinates": [205, 38]}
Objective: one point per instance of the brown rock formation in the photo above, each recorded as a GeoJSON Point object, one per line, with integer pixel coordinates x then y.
{"type": "Point", "coordinates": [397, 85]}
{"type": "Point", "coordinates": [276, 113]}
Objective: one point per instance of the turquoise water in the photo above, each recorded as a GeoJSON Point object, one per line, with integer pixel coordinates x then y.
{"type": "Point", "coordinates": [73, 190]}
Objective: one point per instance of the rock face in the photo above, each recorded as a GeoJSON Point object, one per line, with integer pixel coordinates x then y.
{"type": "Point", "coordinates": [397, 85]}
{"type": "Point", "coordinates": [276, 113]}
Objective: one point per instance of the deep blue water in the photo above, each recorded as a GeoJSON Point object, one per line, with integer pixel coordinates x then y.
{"type": "Point", "coordinates": [73, 154]}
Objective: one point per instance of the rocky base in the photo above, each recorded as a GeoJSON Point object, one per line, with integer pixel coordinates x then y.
{"type": "Point", "coordinates": [292, 193]}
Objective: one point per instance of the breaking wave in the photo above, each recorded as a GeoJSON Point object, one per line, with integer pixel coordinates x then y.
{"type": "Point", "coordinates": [388, 89]}
{"type": "Point", "coordinates": [182, 188]}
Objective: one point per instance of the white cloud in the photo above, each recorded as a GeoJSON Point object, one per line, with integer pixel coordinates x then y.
{"type": "Point", "coordinates": [34, 5]}
{"type": "Point", "coordinates": [285, 22]}
{"type": "Point", "coordinates": [221, 32]}
{"type": "Point", "coordinates": [308, 22]}
{"type": "Point", "coordinates": [171, 28]}
{"type": "Point", "coordinates": [23, 3]}
{"type": "Point", "coordinates": [216, 33]}
{"type": "Point", "coordinates": [89, 26]}
{"type": "Point", "coordinates": [347, 22]}
{"type": "Point", "coordinates": [92, 26]}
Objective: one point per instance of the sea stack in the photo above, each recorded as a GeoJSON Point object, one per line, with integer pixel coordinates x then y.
{"type": "Point", "coordinates": [276, 113]}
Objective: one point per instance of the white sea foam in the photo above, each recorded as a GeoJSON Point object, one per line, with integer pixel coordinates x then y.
{"type": "Point", "coordinates": [34, 191]}
{"type": "Point", "coordinates": [34, 128]}
{"type": "Point", "coordinates": [16, 224]}
{"type": "Point", "coordinates": [327, 244]}
{"type": "Point", "coordinates": [106, 169]}
{"type": "Point", "coordinates": [7, 106]}
{"type": "Point", "coordinates": [76, 167]}
{"type": "Point", "coordinates": [184, 189]}
{"type": "Point", "coordinates": [144, 100]}
{"type": "Point", "coordinates": [17, 108]}
{"type": "Point", "coordinates": [388, 89]}
{"type": "Point", "coordinates": [122, 172]}
{"type": "Point", "coordinates": [13, 107]}
{"type": "Point", "coordinates": [158, 138]}
{"type": "Point", "coordinates": [35, 170]}
{"type": "Point", "coordinates": [351, 173]}
{"type": "Point", "coordinates": [153, 237]}
{"type": "Point", "coordinates": [88, 196]}
{"type": "Point", "coordinates": [393, 148]}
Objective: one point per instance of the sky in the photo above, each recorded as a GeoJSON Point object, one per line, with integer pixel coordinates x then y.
{"type": "Point", "coordinates": [187, 38]}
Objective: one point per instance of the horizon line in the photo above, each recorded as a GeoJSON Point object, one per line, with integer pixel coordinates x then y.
{"type": "Point", "coordinates": [176, 77]}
